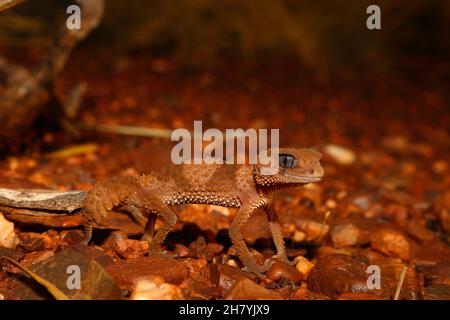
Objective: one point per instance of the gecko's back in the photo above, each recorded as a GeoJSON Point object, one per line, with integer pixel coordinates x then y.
{"type": "Point", "coordinates": [205, 183]}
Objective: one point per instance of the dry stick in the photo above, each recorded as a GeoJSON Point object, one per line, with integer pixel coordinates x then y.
{"type": "Point", "coordinates": [55, 292]}
{"type": "Point", "coordinates": [127, 130]}
{"type": "Point", "coordinates": [400, 282]}
{"type": "Point", "coordinates": [42, 199]}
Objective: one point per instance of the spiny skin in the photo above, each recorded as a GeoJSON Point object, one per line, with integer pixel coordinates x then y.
{"type": "Point", "coordinates": [240, 186]}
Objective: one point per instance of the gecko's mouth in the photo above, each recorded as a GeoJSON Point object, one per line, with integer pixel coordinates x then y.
{"type": "Point", "coordinates": [306, 179]}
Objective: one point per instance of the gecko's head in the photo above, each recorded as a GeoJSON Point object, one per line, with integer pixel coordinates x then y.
{"type": "Point", "coordinates": [295, 166]}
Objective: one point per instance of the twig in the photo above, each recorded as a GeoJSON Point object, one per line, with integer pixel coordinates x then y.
{"type": "Point", "coordinates": [43, 199]}
{"type": "Point", "coordinates": [127, 130]}
{"type": "Point", "coordinates": [86, 148]}
{"type": "Point", "coordinates": [400, 282]}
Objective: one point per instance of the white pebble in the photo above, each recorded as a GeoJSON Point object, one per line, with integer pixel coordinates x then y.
{"type": "Point", "coordinates": [8, 237]}
{"type": "Point", "coordinates": [340, 154]}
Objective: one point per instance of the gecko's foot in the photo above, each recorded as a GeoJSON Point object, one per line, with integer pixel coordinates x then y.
{"type": "Point", "coordinates": [283, 258]}
{"type": "Point", "coordinates": [257, 269]}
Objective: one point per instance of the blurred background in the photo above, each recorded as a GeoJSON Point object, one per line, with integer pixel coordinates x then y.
{"type": "Point", "coordinates": [325, 35]}
{"type": "Point", "coordinates": [310, 68]}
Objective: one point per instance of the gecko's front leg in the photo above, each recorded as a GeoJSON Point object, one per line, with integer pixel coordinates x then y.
{"type": "Point", "coordinates": [247, 209]}
{"type": "Point", "coordinates": [276, 233]}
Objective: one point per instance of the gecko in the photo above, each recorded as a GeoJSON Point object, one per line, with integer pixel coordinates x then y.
{"type": "Point", "coordinates": [229, 185]}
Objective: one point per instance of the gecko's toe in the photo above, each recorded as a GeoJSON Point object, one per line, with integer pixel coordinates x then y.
{"type": "Point", "coordinates": [267, 264]}
{"type": "Point", "coordinates": [283, 258]}
{"type": "Point", "coordinates": [257, 269]}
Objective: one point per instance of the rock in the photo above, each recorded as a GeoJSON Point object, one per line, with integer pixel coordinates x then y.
{"type": "Point", "coordinates": [131, 249]}
{"type": "Point", "coordinates": [345, 235]}
{"type": "Point", "coordinates": [431, 253]}
{"type": "Point", "coordinates": [391, 269]}
{"type": "Point", "coordinates": [303, 266]}
{"type": "Point", "coordinates": [313, 230]}
{"type": "Point", "coordinates": [437, 292]}
{"type": "Point", "coordinates": [437, 274]}
{"type": "Point", "coordinates": [283, 271]}
{"type": "Point", "coordinates": [36, 256]}
{"type": "Point", "coordinates": [246, 289]}
{"type": "Point", "coordinates": [155, 289]}
{"type": "Point", "coordinates": [298, 236]}
{"type": "Point", "coordinates": [229, 275]}
{"type": "Point", "coordinates": [49, 239]}
{"type": "Point", "coordinates": [207, 218]}
{"type": "Point", "coordinates": [94, 253]}
{"type": "Point", "coordinates": [419, 232]}
{"type": "Point", "coordinates": [440, 167]}
{"type": "Point", "coordinates": [181, 250]}
{"type": "Point", "coordinates": [363, 202]}
{"type": "Point", "coordinates": [31, 244]}
{"type": "Point", "coordinates": [72, 236]}
{"type": "Point", "coordinates": [10, 253]}
{"type": "Point", "coordinates": [391, 242]}
{"type": "Point", "coordinates": [341, 155]}
{"type": "Point", "coordinates": [202, 250]}
{"type": "Point", "coordinates": [304, 294]}
{"type": "Point", "coordinates": [127, 273]}
{"type": "Point", "coordinates": [397, 213]}
{"type": "Point", "coordinates": [61, 271]}
{"type": "Point", "coordinates": [335, 274]}
{"type": "Point", "coordinates": [202, 290]}
{"type": "Point", "coordinates": [8, 237]}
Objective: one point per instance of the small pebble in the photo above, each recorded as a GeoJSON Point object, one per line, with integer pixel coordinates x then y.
{"type": "Point", "coordinates": [181, 250]}
{"type": "Point", "coordinates": [345, 235]}
{"type": "Point", "coordinates": [156, 289]}
{"type": "Point", "coordinates": [298, 236]}
{"type": "Point", "coordinates": [8, 237]}
{"type": "Point", "coordinates": [341, 155]}
{"type": "Point", "coordinates": [303, 266]}
{"type": "Point", "coordinates": [281, 270]}
{"type": "Point", "coordinates": [391, 242]}
{"type": "Point", "coordinates": [131, 249]}
{"type": "Point", "coordinates": [232, 263]}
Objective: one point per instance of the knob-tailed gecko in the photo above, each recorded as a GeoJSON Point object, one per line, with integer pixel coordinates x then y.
{"type": "Point", "coordinates": [229, 185]}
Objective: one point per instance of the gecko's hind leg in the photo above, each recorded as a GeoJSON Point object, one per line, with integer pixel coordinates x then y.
{"type": "Point", "coordinates": [275, 231]}
{"type": "Point", "coordinates": [154, 205]}
{"type": "Point", "coordinates": [170, 218]}
{"type": "Point", "coordinates": [104, 196]}
{"type": "Point", "coordinates": [149, 231]}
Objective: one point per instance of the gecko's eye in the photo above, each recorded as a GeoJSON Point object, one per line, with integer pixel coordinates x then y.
{"type": "Point", "coordinates": [287, 161]}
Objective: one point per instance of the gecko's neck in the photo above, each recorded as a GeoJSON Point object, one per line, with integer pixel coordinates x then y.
{"type": "Point", "coordinates": [272, 183]}
{"type": "Point", "coordinates": [267, 183]}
